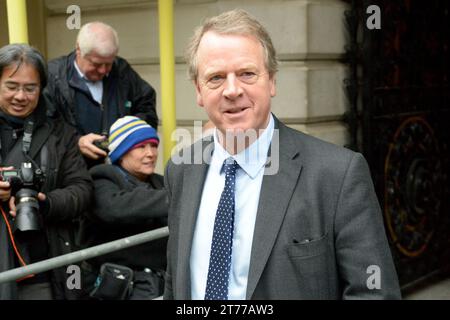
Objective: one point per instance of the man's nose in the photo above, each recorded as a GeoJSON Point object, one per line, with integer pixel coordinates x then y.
{"type": "Point", "coordinates": [232, 87]}
{"type": "Point", "coordinates": [102, 69]}
{"type": "Point", "coordinates": [20, 94]}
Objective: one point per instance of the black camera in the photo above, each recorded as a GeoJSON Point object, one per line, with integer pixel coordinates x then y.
{"type": "Point", "coordinates": [102, 144]}
{"type": "Point", "coordinates": [25, 185]}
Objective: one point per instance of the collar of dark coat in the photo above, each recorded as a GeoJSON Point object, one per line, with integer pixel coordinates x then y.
{"type": "Point", "coordinates": [73, 77]}
{"type": "Point", "coordinates": [67, 67]}
{"type": "Point", "coordinates": [120, 175]}
{"type": "Point", "coordinates": [75, 81]}
{"type": "Point", "coordinates": [63, 73]}
{"type": "Point", "coordinates": [41, 128]}
{"type": "Point", "coordinates": [63, 67]}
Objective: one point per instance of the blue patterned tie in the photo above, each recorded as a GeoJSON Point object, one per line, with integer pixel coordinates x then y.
{"type": "Point", "coordinates": [222, 240]}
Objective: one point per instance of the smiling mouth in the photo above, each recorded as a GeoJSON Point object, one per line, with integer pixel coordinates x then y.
{"type": "Point", "coordinates": [18, 106]}
{"type": "Point", "coordinates": [237, 110]}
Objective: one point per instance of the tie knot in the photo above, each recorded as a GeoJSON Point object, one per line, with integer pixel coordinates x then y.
{"type": "Point", "coordinates": [230, 166]}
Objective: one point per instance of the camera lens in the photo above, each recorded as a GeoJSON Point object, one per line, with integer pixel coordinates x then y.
{"type": "Point", "coordinates": [27, 206]}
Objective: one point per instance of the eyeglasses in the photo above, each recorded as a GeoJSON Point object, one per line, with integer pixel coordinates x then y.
{"type": "Point", "coordinates": [13, 88]}
{"type": "Point", "coordinates": [215, 81]}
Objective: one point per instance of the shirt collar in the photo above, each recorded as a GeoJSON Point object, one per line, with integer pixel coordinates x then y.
{"type": "Point", "coordinates": [81, 74]}
{"type": "Point", "coordinates": [251, 159]}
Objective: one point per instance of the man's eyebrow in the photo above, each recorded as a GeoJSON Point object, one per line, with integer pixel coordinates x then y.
{"type": "Point", "coordinates": [212, 70]}
{"type": "Point", "coordinates": [18, 83]}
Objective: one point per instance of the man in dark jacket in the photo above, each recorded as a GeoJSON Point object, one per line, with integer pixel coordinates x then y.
{"type": "Point", "coordinates": [92, 87]}
{"type": "Point", "coordinates": [30, 140]}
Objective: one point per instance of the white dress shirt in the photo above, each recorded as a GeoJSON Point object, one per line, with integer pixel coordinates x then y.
{"type": "Point", "coordinates": [248, 186]}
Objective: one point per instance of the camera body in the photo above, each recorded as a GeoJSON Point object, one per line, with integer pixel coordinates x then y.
{"type": "Point", "coordinates": [25, 185]}
{"type": "Point", "coordinates": [102, 144]}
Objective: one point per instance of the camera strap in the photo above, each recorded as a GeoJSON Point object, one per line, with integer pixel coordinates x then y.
{"type": "Point", "coordinates": [20, 151]}
{"type": "Point", "coordinates": [26, 142]}
{"type": "Point", "coordinates": [27, 135]}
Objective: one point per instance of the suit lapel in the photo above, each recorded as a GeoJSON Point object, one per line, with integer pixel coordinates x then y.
{"type": "Point", "coordinates": [194, 176]}
{"type": "Point", "coordinates": [276, 191]}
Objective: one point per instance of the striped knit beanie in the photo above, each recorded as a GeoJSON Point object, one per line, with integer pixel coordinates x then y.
{"type": "Point", "coordinates": [126, 133]}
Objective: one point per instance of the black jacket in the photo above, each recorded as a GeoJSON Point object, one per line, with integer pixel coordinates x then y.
{"type": "Point", "coordinates": [68, 188]}
{"type": "Point", "coordinates": [125, 206]}
{"type": "Point", "coordinates": [130, 87]}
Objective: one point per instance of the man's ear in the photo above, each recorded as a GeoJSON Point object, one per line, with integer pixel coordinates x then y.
{"type": "Point", "coordinates": [198, 92]}
{"type": "Point", "coordinates": [78, 51]}
{"type": "Point", "coordinates": [273, 88]}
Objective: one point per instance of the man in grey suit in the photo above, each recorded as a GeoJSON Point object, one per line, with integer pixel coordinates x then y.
{"type": "Point", "coordinates": [305, 220]}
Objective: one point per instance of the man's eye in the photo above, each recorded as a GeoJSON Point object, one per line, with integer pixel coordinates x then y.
{"type": "Point", "coordinates": [216, 79]}
{"type": "Point", "coordinates": [11, 86]}
{"type": "Point", "coordinates": [30, 88]}
{"type": "Point", "coordinates": [248, 76]}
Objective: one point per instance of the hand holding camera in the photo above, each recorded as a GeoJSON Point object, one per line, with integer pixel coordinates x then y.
{"type": "Point", "coordinates": [102, 144]}
{"type": "Point", "coordinates": [12, 203]}
{"type": "Point", "coordinates": [5, 187]}
{"type": "Point", "coordinates": [25, 184]}
{"type": "Point", "coordinates": [93, 146]}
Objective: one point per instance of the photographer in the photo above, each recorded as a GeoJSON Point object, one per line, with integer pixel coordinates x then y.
{"type": "Point", "coordinates": [45, 184]}
{"type": "Point", "coordinates": [129, 199]}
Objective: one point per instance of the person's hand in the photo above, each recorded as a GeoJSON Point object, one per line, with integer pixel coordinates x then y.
{"type": "Point", "coordinates": [12, 203]}
{"type": "Point", "coordinates": [87, 147]}
{"type": "Point", "coordinates": [5, 187]}
{"type": "Point", "coordinates": [12, 206]}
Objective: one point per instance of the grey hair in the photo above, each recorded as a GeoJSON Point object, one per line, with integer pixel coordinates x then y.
{"type": "Point", "coordinates": [20, 53]}
{"type": "Point", "coordinates": [99, 37]}
{"type": "Point", "coordinates": [234, 22]}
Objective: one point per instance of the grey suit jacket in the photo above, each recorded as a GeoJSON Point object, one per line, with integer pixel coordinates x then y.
{"type": "Point", "coordinates": [319, 231]}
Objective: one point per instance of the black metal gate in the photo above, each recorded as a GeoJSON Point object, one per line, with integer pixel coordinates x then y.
{"type": "Point", "coordinates": [399, 118]}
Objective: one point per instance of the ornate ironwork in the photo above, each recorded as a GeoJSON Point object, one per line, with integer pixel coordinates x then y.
{"type": "Point", "coordinates": [412, 186]}
{"type": "Point", "coordinates": [398, 91]}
